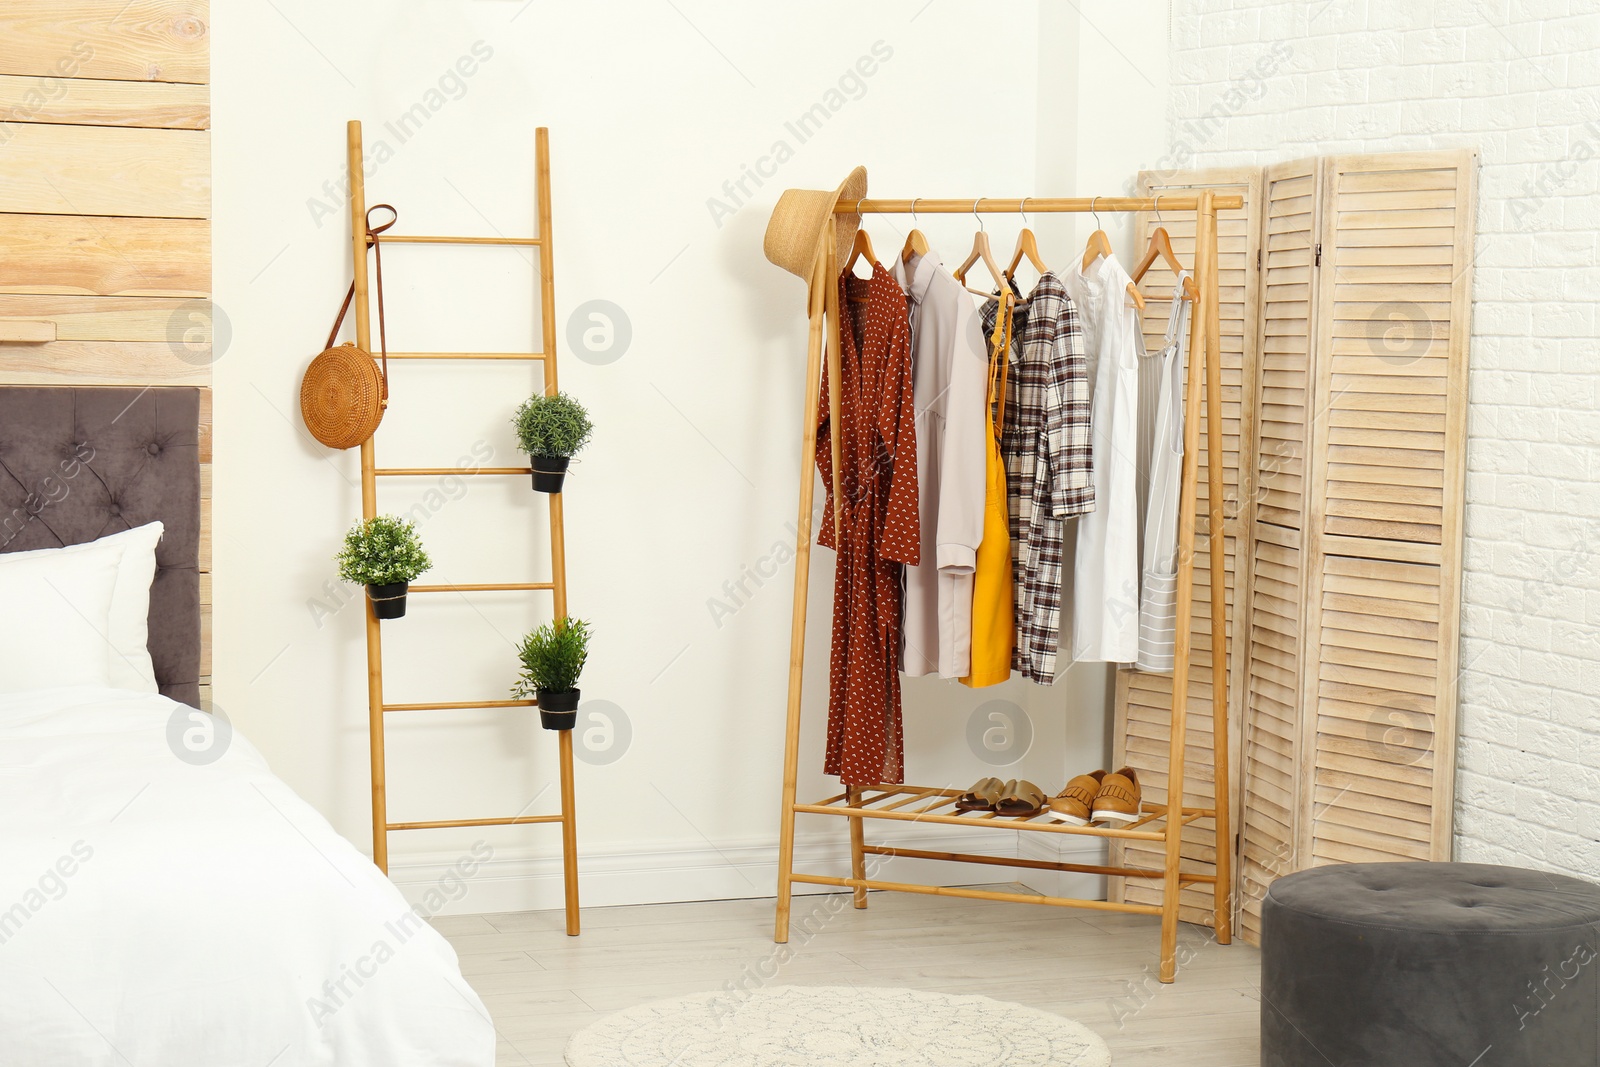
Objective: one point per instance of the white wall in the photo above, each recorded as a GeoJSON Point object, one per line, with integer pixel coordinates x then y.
{"type": "Point", "coordinates": [1091, 55]}
{"type": "Point", "coordinates": [1520, 82]}
{"type": "Point", "coordinates": [690, 484]}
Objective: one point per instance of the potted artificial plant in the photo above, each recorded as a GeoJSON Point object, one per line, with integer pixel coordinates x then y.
{"type": "Point", "coordinates": [384, 554]}
{"type": "Point", "coordinates": [552, 659]}
{"type": "Point", "coordinates": [551, 430]}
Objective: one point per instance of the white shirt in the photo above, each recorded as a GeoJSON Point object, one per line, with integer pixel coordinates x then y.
{"type": "Point", "coordinates": [1105, 610]}
{"type": "Point", "coordinates": [949, 376]}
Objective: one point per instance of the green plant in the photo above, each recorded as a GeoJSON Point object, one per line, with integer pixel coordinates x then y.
{"type": "Point", "coordinates": [552, 425]}
{"type": "Point", "coordinates": [552, 658]}
{"type": "Point", "coordinates": [381, 551]}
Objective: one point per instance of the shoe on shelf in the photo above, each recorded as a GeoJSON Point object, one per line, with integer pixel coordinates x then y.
{"type": "Point", "coordinates": [1021, 798]}
{"type": "Point", "coordinates": [1118, 799]}
{"type": "Point", "coordinates": [982, 796]}
{"type": "Point", "coordinates": [1074, 803]}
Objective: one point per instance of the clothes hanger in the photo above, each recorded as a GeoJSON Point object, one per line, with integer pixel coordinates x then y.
{"type": "Point", "coordinates": [861, 246]}
{"type": "Point", "coordinates": [981, 251]}
{"type": "Point", "coordinates": [1026, 246]}
{"type": "Point", "coordinates": [916, 244]}
{"type": "Point", "coordinates": [1161, 248]}
{"type": "Point", "coordinates": [1100, 245]}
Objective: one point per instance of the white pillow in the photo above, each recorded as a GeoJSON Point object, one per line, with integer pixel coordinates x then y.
{"type": "Point", "coordinates": [55, 619]}
{"type": "Point", "coordinates": [128, 654]}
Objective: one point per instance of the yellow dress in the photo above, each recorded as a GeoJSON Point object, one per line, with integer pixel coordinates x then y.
{"type": "Point", "coordinates": [994, 622]}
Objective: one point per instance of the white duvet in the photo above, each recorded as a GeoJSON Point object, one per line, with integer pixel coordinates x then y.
{"type": "Point", "coordinates": [155, 911]}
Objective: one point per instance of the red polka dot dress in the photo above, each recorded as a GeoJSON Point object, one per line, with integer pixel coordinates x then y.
{"type": "Point", "coordinates": [879, 526]}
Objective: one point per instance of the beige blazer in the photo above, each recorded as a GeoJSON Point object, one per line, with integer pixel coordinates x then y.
{"type": "Point", "coordinates": [949, 360]}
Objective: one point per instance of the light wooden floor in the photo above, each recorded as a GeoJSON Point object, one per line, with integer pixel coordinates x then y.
{"type": "Point", "coordinates": [1097, 968]}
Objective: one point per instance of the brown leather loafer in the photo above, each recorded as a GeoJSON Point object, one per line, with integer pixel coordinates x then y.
{"type": "Point", "coordinates": [1118, 799]}
{"type": "Point", "coordinates": [1074, 803]}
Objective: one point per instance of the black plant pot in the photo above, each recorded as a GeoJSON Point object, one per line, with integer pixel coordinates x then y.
{"type": "Point", "coordinates": [549, 472]}
{"type": "Point", "coordinates": [558, 711]}
{"type": "Point", "coordinates": [388, 601]}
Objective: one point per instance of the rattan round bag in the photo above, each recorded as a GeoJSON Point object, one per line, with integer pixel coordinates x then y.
{"type": "Point", "coordinates": [341, 396]}
{"type": "Point", "coordinates": [344, 392]}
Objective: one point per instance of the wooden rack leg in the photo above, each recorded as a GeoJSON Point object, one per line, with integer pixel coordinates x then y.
{"type": "Point", "coordinates": [797, 621]}
{"type": "Point", "coordinates": [1222, 918]}
{"type": "Point", "coordinates": [1172, 886]}
{"type": "Point", "coordinates": [569, 833]}
{"type": "Point", "coordinates": [858, 859]}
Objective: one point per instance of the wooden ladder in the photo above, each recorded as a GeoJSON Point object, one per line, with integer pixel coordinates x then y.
{"type": "Point", "coordinates": [371, 472]}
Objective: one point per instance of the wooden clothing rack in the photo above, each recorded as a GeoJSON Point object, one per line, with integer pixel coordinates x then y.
{"type": "Point", "coordinates": [931, 804]}
{"type": "Point", "coordinates": [377, 709]}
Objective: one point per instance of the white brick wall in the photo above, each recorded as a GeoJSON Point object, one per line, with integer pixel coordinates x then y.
{"type": "Point", "coordinates": [1520, 81]}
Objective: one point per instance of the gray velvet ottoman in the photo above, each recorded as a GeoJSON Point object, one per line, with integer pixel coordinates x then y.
{"type": "Point", "coordinates": [1424, 964]}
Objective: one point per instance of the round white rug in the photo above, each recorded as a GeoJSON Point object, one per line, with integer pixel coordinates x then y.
{"type": "Point", "coordinates": [835, 1026]}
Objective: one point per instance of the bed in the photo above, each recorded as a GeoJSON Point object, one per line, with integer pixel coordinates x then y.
{"type": "Point", "coordinates": [164, 898]}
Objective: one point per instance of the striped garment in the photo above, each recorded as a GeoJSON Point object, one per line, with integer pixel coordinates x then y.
{"type": "Point", "coordinates": [1161, 434]}
{"type": "Point", "coordinates": [1048, 448]}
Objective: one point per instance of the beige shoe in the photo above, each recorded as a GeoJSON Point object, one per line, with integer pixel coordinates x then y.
{"type": "Point", "coordinates": [1118, 799]}
{"type": "Point", "coordinates": [982, 796]}
{"type": "Point", "coordinates": [1021, 798]}
{"type": "Point", "coordinates": [1074, 803]}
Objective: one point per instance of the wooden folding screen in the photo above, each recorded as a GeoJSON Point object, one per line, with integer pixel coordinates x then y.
{"type": "Point", "coordinates": [1270, 711]}
{"type": "Point", "coordinates": [1380, 522]}
{"type": "Point", "coordinates": [1345, 533]}
{"type": "Point", "coordinates": [1144, 701]}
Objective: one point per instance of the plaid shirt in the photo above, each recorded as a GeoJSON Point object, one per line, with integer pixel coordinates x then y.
{"type": "Point", "coordinates": [1048, 448]}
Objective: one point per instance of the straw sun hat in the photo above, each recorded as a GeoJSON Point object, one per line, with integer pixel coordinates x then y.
{"type": "Point", "coordinates": [801, 218]}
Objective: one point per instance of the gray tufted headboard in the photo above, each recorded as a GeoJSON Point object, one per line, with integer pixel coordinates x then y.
{"type": "Point", "coordinates": [80, 463]}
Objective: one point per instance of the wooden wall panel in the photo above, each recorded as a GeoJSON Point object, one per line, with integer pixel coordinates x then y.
{"type": "Point", "coordinates": [113, 318]}
{"type": "Point", "coordinates": [105, 256]}
{"type": "Point", "coordinates": [100, 363]}
{"type": "Point", "coordinates": [105, 204]}
{"type": "Point", "coordinates": [106, 170]}
{"type": "Point", "coordinates": [1144, 701]}
{"type": "Point", "coordinates": [87, 102]}
{"type": "Point", "coordinates": [123, 40]}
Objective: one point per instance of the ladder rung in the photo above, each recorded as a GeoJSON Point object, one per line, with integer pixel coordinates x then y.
{"type": "Point", "coordinates": [529, 356]}
{"type": "Point", "coordinates": [391, 472]}
{"type": "Point", "coordinates": [446, 823]}
{"type": "Point", "coordinates": [451, 705]}
{"type": "Point", "coordinates": [481, 587]}
{"type": "Point", "coordinates": [420, 239]}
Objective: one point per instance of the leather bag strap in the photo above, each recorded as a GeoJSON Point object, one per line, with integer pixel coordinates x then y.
{"type": "Point", "coordinates": [377, 254]}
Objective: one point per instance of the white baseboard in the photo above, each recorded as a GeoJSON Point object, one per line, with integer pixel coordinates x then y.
{"type": "Point", "coordinates": [528, 880]}
{"type": "Point", "coordinates": [1064, 848]}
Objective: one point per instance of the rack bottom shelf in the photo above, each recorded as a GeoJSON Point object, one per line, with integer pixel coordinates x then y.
{"type": "Point", "coordinates": [932, 804]}
{"type": "Point", "coordinates": [935, 805]}
{"type": "Point", "coordinates": [976, 894]}
{"type": "Point", "coordinates": [860, 884]}
{"type": "Point", "coordinates": [1037, 865]}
